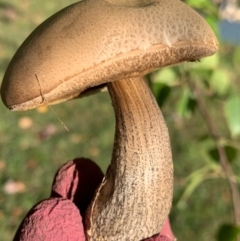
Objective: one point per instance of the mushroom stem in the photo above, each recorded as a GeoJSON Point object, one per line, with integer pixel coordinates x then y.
{"type": "Point", "coordinates": [135, 196]}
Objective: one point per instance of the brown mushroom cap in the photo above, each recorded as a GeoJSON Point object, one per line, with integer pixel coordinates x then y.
{"type": "Point", "coordinates": [94, 42]}
{"type": "Point", "coordinates": [132, 3]}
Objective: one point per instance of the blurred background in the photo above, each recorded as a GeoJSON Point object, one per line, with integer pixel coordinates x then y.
{"type": "Point", "coordinates": [201, 105]}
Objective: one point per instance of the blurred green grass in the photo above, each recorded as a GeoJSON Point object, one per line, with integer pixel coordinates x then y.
{"type": "Point", "coordinates": [34, 144]}
{"type": "Point", "coordinates": [32, 156]}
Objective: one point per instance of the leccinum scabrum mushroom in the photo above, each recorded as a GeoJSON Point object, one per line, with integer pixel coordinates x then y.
{"type": "Point", "coordinates": [98, 42]}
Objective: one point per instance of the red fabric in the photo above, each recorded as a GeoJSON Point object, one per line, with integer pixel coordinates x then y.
{"type": "Point", "coordinates": [53, 219]}
{"type": "Point", "coordinates": [166, 233]}
{"type": "Point", "coordinates": [77, 181]}
{"type": "Point", "coordinates": [59, 217]}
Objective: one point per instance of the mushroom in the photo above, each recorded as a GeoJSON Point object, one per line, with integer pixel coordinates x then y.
{"type": "Point", "coordinates": [113, 43]}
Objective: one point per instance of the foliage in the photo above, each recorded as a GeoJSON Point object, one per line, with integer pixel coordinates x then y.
{"type": "Point", "coordinates": [228, 232]}
{"type": "Point", "coordinates": [209, 88]}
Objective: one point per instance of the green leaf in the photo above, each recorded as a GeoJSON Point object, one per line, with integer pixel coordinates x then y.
{"type": "Point", "coordinates": [212, 20]}
{"type": "Point", "coordinates": [165, 76]}
{"type": "Point", "coordinates": [228, 232]}
{"type": "Point", "coordinates": [193, 181]}
{"type": "Point", "coordinates": [232, 113]}
{"type": "Point", "coordinates": [230, 152]}
{"type": "Point", "coordinates": [213, 153]}
{"type": "Point", "coordinates": [208, 63]}
{"type": "Point", "coordinates": [199, 3]}
{"type": "Point", "coordinates": [209, 11]}
{"type": "Point", "coordinates": [220, 81]}
{"type": "Point", "coordinates": [186, 104]}
{"type": "Point", "coordinates": [162, 94]}
{"type": "Point", "coordinates": [201, 75]}
{"type": "Point", "coordinates": [236, 55]}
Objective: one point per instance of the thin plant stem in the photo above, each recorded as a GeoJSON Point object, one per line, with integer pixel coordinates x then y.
{"type": "Point", "coordinates": [214, 133]}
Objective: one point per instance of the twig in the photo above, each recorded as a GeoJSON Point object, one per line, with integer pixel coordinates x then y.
{"type": "Point", "coordinates": [44, 99]}
{"type": "Point", "coordinates": [221, 151]}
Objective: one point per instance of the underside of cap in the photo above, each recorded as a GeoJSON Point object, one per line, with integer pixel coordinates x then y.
{"type": "Point", "coordinates": [121, 67]}
{"type": "Point", "coordinates": [94, 42]}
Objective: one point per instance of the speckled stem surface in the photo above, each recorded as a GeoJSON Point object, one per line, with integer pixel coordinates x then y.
{"type": "Point", "coordinates": [135, 196]}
